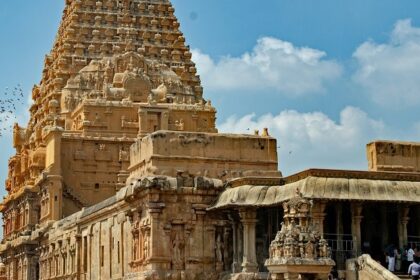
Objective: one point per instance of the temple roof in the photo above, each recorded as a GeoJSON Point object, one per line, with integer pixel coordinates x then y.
{"type": "Point", "coordinates": [96, 38]}
{"type": "Point", "coordinates": [324, 188]}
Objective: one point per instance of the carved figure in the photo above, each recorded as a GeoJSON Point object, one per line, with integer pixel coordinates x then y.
{"type": "Point", "coordinates": [146, 246]}
{"type": "Point", "coordinates": [324, 250]}
{"type": "Point", "coordinates": [176, 251]}
{"type": "Point", "coordinates": [159, 94]}
{"type": "Point", "coordinates": [179, 125]}
{"type": "Point", "coordinates": [219, 249]}
{"type": "Point", "coordinates": [309, 250]}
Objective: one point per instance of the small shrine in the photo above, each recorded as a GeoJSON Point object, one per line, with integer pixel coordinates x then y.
{"type": "Point", "coordinates": [299, 251]}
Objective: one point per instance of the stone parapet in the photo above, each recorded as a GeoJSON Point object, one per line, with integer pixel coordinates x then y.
{"type": "Point", "coordinates": [221, 156]}
{"type": "Point", "coordinates": [393, 156]}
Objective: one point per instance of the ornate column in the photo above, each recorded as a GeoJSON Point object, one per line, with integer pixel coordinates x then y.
{"type": "Point", "coordinates": [196, 255]}
{"type": "Point", "coordinates": [356, 219]}
{"type": "Point", "coordinates": [318, 216]}
{"type": "Point", "coordinates": [142, 122]}
{"type": "Point", "coordinates": [403, 212]}
{"type": "Point", "coordinates": [249, 220]}
{"type": "Point", "coordinates": [235, 262]}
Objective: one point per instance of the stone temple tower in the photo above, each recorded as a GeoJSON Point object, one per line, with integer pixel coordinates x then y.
{"type": "Point", "coordinates": [118, 114]}
{"type": "Point", "coordinates": [121, 173]}
{"type": "Point", "coordinates": [118, 70]}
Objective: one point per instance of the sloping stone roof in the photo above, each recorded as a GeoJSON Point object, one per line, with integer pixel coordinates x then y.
{"type": "Point", "coordinates": [321, 188]}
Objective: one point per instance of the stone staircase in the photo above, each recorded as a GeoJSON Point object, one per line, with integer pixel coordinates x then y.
{"type": "Point", "coordinates": [365, 268]}
{"type": "Point", "coordinates": [403, 276]}
{"type": "Point", "coordinates": [68, 193]}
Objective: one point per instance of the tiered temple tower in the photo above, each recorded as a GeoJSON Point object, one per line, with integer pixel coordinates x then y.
{"type": "Point", "coordinates": [118, 69]}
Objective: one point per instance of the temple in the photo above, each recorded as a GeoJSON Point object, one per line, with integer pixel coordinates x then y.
{"type": "Point", "coordinates": [121, 172]}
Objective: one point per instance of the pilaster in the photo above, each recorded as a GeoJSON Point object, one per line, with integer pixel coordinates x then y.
{"type": "Point", "coordinates": [318, 216]}
{"type": "Point", "coordinates": [249, 220]}
{"type": "Point", "coordinates": [356, 219]}
{"type": "Point", "coordinates": [158, 258]}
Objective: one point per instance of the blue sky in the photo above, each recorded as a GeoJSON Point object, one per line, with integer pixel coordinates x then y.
{"type": "Point", "coordinates": [325, 76]}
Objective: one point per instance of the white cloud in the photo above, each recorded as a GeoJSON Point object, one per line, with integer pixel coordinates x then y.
{"type": "Point", "coordinates": [273, 64]}
{"type": "Point", "coordinates": [390, 72]}
{"type": "Point", "coordinates": [310, 140]}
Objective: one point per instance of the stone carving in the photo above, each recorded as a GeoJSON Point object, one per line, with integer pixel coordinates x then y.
{"type": "Point", "coordinates": [146, 244]}
{"type": "Point", "coordinates": [179, 125]}
{"type": "Point", "coordinates": [19, 136]}
{"type": "Point", "coordinates": [219, 249]}
{"type": "Point", "coordinates": [159, 94]}
{"type": "Point", "coordinates": [177, 249]}
{"type": "Point", "coordinates": [298, 243]}
{"type": "Point", "coordinates": [124, 155]}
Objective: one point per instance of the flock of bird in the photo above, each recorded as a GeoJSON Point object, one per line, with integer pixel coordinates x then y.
{"type": "Point", "coordinates": [10, 100]}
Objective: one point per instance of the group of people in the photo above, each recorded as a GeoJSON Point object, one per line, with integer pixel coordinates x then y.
{"type": "Point", "coordinates": [406, 260]}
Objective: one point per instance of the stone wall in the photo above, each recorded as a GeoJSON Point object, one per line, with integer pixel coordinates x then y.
{"type": "Point", "coordinates": [222, 156]}
{"type": "Point", "coordinates": [393, 156]}
{"type": "Point", "coordinates": [157, 227]}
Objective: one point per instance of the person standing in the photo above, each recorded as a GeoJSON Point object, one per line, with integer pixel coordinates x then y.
{"type": "Point", "coordinates": [414, 270]}
{"type": "Point", "coordinates": [410, 255]}
{"type": "Point", "coordinates": [391, 258]}
{"type": "Point", "coordinates": [405, 264]}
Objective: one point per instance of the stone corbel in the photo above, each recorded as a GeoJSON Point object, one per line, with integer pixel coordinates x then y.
{"type": "Point", "coordinates": [155, 208]}
{"type": "Point", "coordinates": [130, 215]}
{"type": "Point", "coordinates": [199, 211]}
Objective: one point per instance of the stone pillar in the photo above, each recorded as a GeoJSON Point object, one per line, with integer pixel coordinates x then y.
{"type": "Point", "coordinates": [318, 216]}
{"type": "Point", "coordinates": [143, 129]}
{"type": "Point", "coordinates": [415, 212]}
{"type": "Point", "coordinates": [356, 219]}
{"type": "Point", "coordinates": [159, 256]}
{"type": "Point", "coordinates": [403, 219]}
{"type": "Point", "coordinates": [340, 257]}
{"type": "Point", "coordinates": [384, 226]}
{"type": "Point", "coordinates": [164, 121]}
{"type": "Point", "coordinates": [196, 255]}
{"type": "Point", "coordinates": [235, 262]}
{"type": "Point", "coordinates": [248, 219]}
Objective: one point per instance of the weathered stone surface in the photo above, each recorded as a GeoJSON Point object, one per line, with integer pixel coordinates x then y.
{"type": "Point", "coordinates": [298, 249]}
{"type": "Point", "coordinates": [393, 156]}
{"type": "Point", "coordinates": [122, 174]}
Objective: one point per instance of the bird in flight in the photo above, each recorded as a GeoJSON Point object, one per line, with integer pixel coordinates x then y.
{"type": "Point", "coordinates": [10, 101]}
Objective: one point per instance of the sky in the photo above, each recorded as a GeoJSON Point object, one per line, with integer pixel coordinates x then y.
{"type": "Point", "coordinates": [326, 77]}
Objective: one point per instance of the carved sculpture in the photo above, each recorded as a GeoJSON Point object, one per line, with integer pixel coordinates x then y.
{"type": "Point", "coordinates": [219, 249]}
{"type": "Point", "coordinates": [159, 94]}
{"type": "Point", "coordinates": [177, 247]}
{"type": "Point", "coordinates": [298, 244]}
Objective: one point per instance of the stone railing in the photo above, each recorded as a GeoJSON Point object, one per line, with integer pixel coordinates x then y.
{"type": "Point", "coordinates": [367, 268]}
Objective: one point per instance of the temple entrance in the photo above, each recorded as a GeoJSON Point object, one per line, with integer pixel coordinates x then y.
{"type": "Point", "coordinates": [269, 223]}
{"type": "Point", "coordinates": [337, 232]}
{"type": "Point", "coordinates": [379, 230]}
